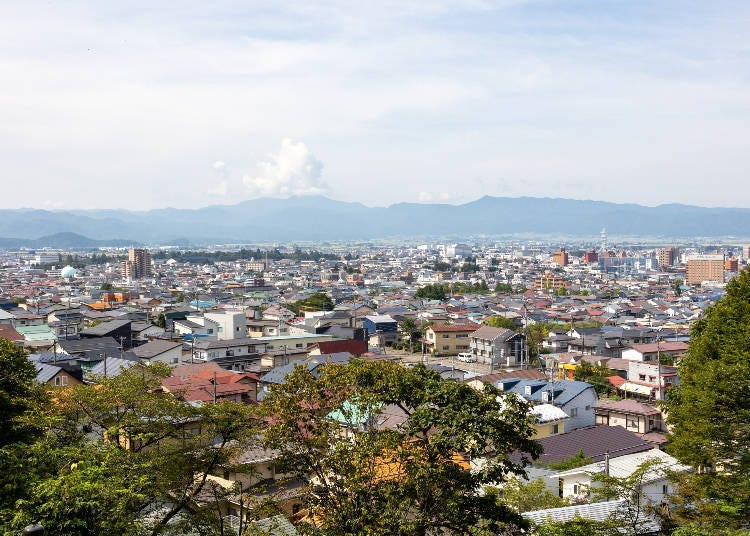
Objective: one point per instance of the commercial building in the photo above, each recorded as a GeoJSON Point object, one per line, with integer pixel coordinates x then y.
{"type": "Point", "coordinates": [667, 257]}
{"type": "Point", "coordinates": [732, 265]}
{"type": "Point", "coordinates": [138, 264]}
{"type": "Point", "coordinates": [700, 268]}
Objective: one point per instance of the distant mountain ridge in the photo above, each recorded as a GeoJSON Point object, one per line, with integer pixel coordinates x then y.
{"type": "Point", "coordinates": [319, 218]}
{"type": "Point", "coordinates": [63, 240]}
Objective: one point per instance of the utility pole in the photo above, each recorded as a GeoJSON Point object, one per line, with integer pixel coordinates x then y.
{"type": "Point", "coordinates": [214, 387]}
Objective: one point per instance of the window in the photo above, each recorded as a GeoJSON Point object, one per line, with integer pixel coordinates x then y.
{"type": "Point", "coordinates": [574, 412]}
{"type": "Point", "coordinates": [220, 329]}
{"type": "Point", "coordinates": [632, 423]}
{"type": "Point", "coordinates": [665, 489]}
{"type": "Point", "coordinates": [175, 360]}
{"type": "Point", "coordinates": [555, 428]}
{"type": "Point", "coordinates": [576, 489]}
{"type": "Point", "coordinates": [298, 345]}
{"type": "Point", "coordinates": [446, 336]}
{"type": "Point", "coordinates": [446, 347]}
{"type": "Point", "coordinates": [588, 408]}
{"type": "Point", "coordinates": [61, 380]}
{"type": "Point", "coordinates": [462, 335]}
{"type": "Point", "coordinates": [642, 377]}
{"type": "Point", "coordinates": [210, 331]}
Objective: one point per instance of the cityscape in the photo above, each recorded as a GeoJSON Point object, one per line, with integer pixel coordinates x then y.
{"type": "Point", "coordinates": [434, 268]}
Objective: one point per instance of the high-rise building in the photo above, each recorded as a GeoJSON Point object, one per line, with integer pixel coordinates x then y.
{"type": "Point", "coordinates": [732, 264]}
{"type": "Point", "coordinates": [560, 257]}
{"type": "Point", "coordinates": [700, 268]}
{"type": "Point", "coordinates": [138, 264]}
{"type": "Point", "coordinates": [667, 257]}
{"type": "Point", "coordinates": [590, 257]}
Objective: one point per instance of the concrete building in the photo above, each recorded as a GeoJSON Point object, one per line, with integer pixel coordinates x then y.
{"type": "Point", "coordinates": [700, 268]}
{"type": "Point", "coordinates": [502, 348]}
{"type": "Point", "coordinates": [667, 257]}
{"type": "Point", "coordinates": [457, 250]}
{"type": "Point", "coordinates": [138, 264]}
{"type": "Point", "coordinates": [732, 265]}
{"type": "Point", "coordinates": [229, 324]}
{"type": "Point", "coordinates": [560, 257]}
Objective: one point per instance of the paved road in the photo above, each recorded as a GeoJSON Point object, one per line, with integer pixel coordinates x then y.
{"type": "Point", "coordinates": [479, 368]}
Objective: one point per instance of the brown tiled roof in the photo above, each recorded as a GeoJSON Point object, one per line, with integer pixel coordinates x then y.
{"type": "Point", "coordinates": [627, 406]}
{"type": "Point", "coordinates": [453, 328]}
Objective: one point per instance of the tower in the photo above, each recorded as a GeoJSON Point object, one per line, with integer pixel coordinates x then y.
{"type": "Point", "coordinates": [603, 243]}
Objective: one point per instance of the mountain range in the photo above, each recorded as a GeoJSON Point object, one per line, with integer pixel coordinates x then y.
{"type": "Point", "coordinates": [317, 218]}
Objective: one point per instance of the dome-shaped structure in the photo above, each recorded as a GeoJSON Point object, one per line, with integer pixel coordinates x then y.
{"type": "Point", "coordinates": [68, 272]}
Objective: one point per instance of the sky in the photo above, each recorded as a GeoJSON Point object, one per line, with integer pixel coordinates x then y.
{"type": "Point", "coordinates": [144, 104]}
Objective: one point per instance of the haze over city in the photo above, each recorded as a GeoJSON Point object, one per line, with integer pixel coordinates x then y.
{"type": "Point", "coordinates": [139, 106]}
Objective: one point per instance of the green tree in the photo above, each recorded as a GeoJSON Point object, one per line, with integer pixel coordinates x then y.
{"type": "Point", "coordinates": [17, 392]}
{"type": "Point", "coordinates": [411, 334]}
{"type": "Point", "coordinates": [106, 286]}
{"type": "Point", "coordinates": [410, 479]}
{"type": "Point", "coordinates": [526, 496]}
{"type": "Point", "coordinates": [577, 460]}
{"type": "Point", "coordinates": [577, 526]}
{"type": "Point", "coordinates": [635, 509]}
{"type": "Point", "coordinates": [161, 320]}
{"type": "Point", "coordinates": [435, 291]}
{"type": "Point", "coordinates": [504, 288]}
{"type": "Point", "coordinates": [709, 414]}
{"type": "Point", "coordinates": [677, 286]}
{"type": "Point", "coordinates": [180, 297]}
{"type": "Point", "coordinates": [562, 291]}
{"type": "Point", "coordinates": [500, 322]}
{"type": "Point", "coordinates": [318, 301]}
{"type": "Point", "coordinates": [596, 375]}
{"type": "Point", "coordinates": [125, 457]}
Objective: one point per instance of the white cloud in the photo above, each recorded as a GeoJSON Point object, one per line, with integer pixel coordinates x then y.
{"type": "Point", "coordinates": [293, 170]}
{"type": "Point", "coordinates": [221, 186]}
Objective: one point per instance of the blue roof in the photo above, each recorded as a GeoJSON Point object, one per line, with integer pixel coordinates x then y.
{"type": "Point", "coordinates": [564, 390]}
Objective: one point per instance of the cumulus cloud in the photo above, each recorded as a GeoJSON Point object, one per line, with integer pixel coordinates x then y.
{"type": "Point", "coordinates": [221, 186]}
{"type": "Point", "coordinates": [293, 170]}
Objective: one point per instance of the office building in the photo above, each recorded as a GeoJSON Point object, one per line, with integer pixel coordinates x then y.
{"type": "Point", "coordinates": [700, 268]}
{"type": "Point", "coordinates": [667, 257]}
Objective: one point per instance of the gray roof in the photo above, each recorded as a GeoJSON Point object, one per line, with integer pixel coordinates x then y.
{"type": "Point", "coordinates": [105, 328]}
{"type": "Point", "coordinates": [154, 348]}
{"type": "Point", "coordinates": [599, 511]}
{"type": "Point", "coordinates": [45, 372]}
{"type": "Point", "coordinates": [275, 526]}
{"type": "Point", "coordinates": [594, 441]}
{"type": "Point", "coordinates": [114, 365]}
{"type": "Point", "coordinates": [204, 344]}
{"type": "Point", "coordinates": [79, 346]}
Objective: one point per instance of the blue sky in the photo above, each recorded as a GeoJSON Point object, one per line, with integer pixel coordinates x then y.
{"type": "Point", "coordinates": [132, 105]}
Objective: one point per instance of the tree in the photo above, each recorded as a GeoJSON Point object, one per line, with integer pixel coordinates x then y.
{"type": "Point", "coordinates": [161, 320]}
{"type": "Point", "coordinates": [436, 291]}
{"type": "Point", "coordinates": [709, 414]}
{"type": "Point", "coordinates": [318, 301]}
{"type": "Point", "coordinates": [578, 460]}
{"type": "Point", "coordinates": [504, 288]}
{"type": "Point", "coordinates": [106, 286]}
{"type": "Point", "coordinates": [500, 322]}
{"type": "Point", "coordinates": [125, 457]}
{"type": "Point", "coordinates": [577, 526]}
{"type": "Point", "coordinates": [17, 392]}
{"type": "Point", "coordinates": [677, 286]}
{"type": "Point", "coordinates": [596, 375]}
{"type": "Point", "coordinates": [562, 291]}
{"type": "Point", "coordinates": [527, 496]}
{"type": "Point", "coordinates": [411, 479]}
{"type": "Point", "coordinates": [411, 334]}
{"type": "Point", "coordinates": [635, 509]}
{"type": "Point", "coordinates": [180, 297]}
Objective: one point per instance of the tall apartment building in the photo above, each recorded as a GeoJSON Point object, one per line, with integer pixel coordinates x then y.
{"type": "Point", "coordinates": [560, 257]}
{"type": "Point", "coordinates": [732, 264]}
{"type": "Point", "coordinates": [667, 257]}
{"type": "Point", "coordinates": [700, 268]}
{"type": "Point", "coordinates": [138, 264]}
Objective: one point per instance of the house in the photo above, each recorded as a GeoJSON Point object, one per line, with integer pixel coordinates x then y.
{"type": "Point", "coordinates": [576, 399]}
{"type": "Point", "coordinates": [231, 353]}
{"type": "Point", "coordinates": [58, 375]}
{"type": "Point", "coordinates": [160, 351]}
{"type": "Point", "coordinates": [278, 313]}
{"type": "Point", "coordinates": [649, 381]}
{"type": "Point", "coordinates": [630, 414]}
{"type": "Point", "coordinates": [501, 348]}
{"type": "Point", "coordinates": [208, 382]}
{"type": "Point", "coordinates": [648, 352]}
{"type": "Point", "coordinates": [9, 332]}
{"type": "Point", "coordinates": [229, 324]}
{"type": "Point", "coordinates": [656, 487]}
{"type": "Point", "coordinates": [119, 330]}
{"type": "Point", "coordinates": [314, 365]}
{"type": "Point", "coordinates": [382, 330]}
{"type": "Point", "coordinates": [448, 339]}
{"type": "Point", "coordinates": [478, 382]}
{"type": "Point", "coordinates": [595, 442]}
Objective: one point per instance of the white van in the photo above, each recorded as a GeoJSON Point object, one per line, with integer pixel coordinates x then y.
{"type": "Point", "coordinates": [466, 357]}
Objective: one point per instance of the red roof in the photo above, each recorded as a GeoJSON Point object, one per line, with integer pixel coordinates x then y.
{"type": "Point", "coordinates": [10, 333]}
{"type": "Point", "coordinates": [353, 346]}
